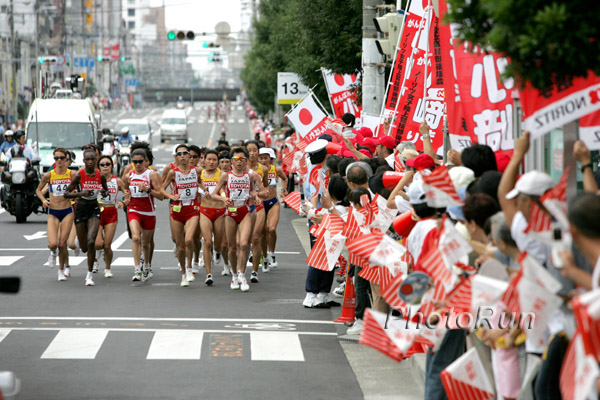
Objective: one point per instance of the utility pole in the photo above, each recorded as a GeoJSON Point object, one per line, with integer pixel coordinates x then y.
{"type": "Point", "coordinates": [373, 78]}
{"type": "Point", "coordinates": [13, 65]}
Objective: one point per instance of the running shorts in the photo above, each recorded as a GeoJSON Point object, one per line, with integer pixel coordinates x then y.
{"type": "Point", "coordinates": [212, 213]}
{"type": "Point", "coordinates": [185, 214]}
{"type": "Point", "coordinates": [239, 213]}
{"type": "Point", "coordinates": [86, 211]}
{"type": "Point", "coordinates": [147, 222]}
{"type": "Point", "coordinates": [108, 215]}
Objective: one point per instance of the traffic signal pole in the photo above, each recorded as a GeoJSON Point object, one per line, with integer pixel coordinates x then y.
{"type": "Point", "coordinates": [373, 81]}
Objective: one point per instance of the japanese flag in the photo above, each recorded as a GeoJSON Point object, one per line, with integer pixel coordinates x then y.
{"type": "Point", "coordinates": [440, 190]}
{"type": "Point", "coordinates": [467, 379]}
{"type": "Point", "coordinates": [306, 115]}
{"type": "Point", "coordinates": [579, 372]}
{"type": "Point", "coordinates": [586, 308]}
{"type": "Point", "coordinates": [337, 83]}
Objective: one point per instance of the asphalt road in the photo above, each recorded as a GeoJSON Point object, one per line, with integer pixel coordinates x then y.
{"type": "Point", "coordinates": [156, 340]}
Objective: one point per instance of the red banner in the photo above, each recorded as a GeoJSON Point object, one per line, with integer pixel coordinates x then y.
{"type": "Point", "coordinates": [341, 93]}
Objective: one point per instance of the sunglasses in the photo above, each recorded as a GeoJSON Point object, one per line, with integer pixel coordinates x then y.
{"type": "Point", "coordinates": [192, 156]}
{"type": "Point", "coordinates": [182, 153]}
{"type": "Point", "coordinates": [137, 161]}
{"type": "Point", "coordinates": [56, 158]}
{"type": "Point", "coordinates": [238, 158]}
{"type": "Point", "coordinates": [105, 164]}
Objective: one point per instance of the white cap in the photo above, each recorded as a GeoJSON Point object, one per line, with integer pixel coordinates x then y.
{"type": "Point", "coordinates": [316, 146]}
{"type": "Point", "coordinates": [416, 193]}
{"type": "Point", "coordinates": [461, 176]}
{"type": "Point", "coordinates": [267, 150]}
{"type": "Point", "coordinates": [533, 183]}
{"type": "Point", "coordinates": [9, 133]}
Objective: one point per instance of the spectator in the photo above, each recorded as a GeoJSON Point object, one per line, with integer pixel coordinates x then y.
{"type": "Point", "coordinates": [479, 158]}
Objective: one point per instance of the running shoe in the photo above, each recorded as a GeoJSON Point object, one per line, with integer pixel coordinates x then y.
{"type": "Point", "coordinates": [209, 279]}
{"type": "Point", "coordinates": [150, 273]}
{"type": "Point", "coordinates": [201, 263]}
{"type": "Point", "coordinates": [273, 263]}
{"type": "Point", "coordinates": [77, 249]}
{"type": "Point", "coordinates": [189, 275]}
{"type": "Point", "coordinates": [249, 263]}
{"type": "Point", "coordinates": [243, 282]}
{"type": "Point", "coordinates": [137, 275]}
{"type": "Point", "coordinates": [217, 259]}
{"type": "Point", "coordinates": [61, 276]}
{"type": "Point", "coordinates": [67, 271]}
{"type": "Point", "coordinates": [145, 274]}
{"type": "Point", "coordinates": [88, 280]}
{"type": "Point", "coordinates": [95, 267]}
{"type": "Point", "coordinates": [52, 260]}
{"type": "Point", "coordinates": [226, 270]}
{"type": "Point", "coordinates": [265, 267]}
{"type": "Point", "coordinates": [108, 273]}
{"type": "Point", "coordinates": [195, 267]}
{"type": "Point", "coordinates": [142, 259]}
{"type": "Point", "coordinates": [254, 277]}
{"type": "Point", "coordinates": [184, 282]}
{"type": "Point", "coordinates": [235, 285]}
{"type": "Point", "coordinates": [339, 291]}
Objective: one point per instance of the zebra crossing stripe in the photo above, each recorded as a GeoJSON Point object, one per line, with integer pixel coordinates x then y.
{"type": "Point", "coordinates": [4, 333]}
{"type": "Point", "coordinates": [275, 346]}
{"type": "Point", "coordinates": [176, 345]}
{"type": "Point", "coordinates": [73, 261]}
{"type": "Point", "coordinates": [76, 344]}
{"type": "Point", "coordinates": [9, 260]}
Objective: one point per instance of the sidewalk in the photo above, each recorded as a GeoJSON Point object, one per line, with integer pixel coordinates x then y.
{"type": "Point", "coordinates": [379, 377]}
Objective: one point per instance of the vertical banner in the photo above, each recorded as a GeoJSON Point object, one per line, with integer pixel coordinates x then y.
{"type": "Point", "coordinates": [114, 50]}
{"type": "Point", "coordinates": [480, 104]}
{"type": "Point", "coordinates": [406, 94]}
{"type": "Point", "coordinates": [341, 93]}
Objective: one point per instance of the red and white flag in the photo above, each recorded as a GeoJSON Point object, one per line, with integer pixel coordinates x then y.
{"type": "Point", "coordinates": [373, 335]}
{"type": "Point", "coordinates": [341, 93]}
{"type": "Point", "coordinates": [355, 224]}
{"type": "Point", "coordinates": [539, 221]}
{"type": "Point", "coordinates": [475, 292]}
{"type": "Point", "coordinates": [440, 190]}
{"type": "Point", "coordinates": [579, 372]}
{"type": "Point", "coordinates": [384, 216]}
{"type": "Point", "coordinates": [452, 245]}
{"type": "Point", "coordinates": [332, 223]}
{"type": "Point", "coordinates": [309, 119]}
{"type": "Point", "coordinates": [326, 251]}
{"type": "Point", "coordinates": [389, 253]}
{"type": "Point", "coordinates": [589, 130]}
{"type": "Point", "coordinates": [555, 200]}
{"type": "Point", "coordinates": [433, 263]}
{"type": "Point", "coordinates": [294, 201]}
{"type": "Point", "coordinates": [467, 379]}
{"type": "Point", "coordinates": [586, 308]}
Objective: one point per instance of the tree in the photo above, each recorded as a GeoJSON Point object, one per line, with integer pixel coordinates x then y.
{"type": "Point", "coordinates": [546, 41]}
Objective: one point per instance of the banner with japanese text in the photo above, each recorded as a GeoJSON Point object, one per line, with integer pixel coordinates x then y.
{"type": "Point", "coordinates": [342, 94]}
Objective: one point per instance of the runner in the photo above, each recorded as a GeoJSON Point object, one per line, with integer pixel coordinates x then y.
{"type": "Point", "coordinates": [239, 189]}
{"type": "Point", "coordinates": [224, 162]}
{"type": "Point", "coordinates": [197, 261]}
{"type": "Point", "coordinates": [87, 212]}
{"type": "Point", "coordinates": [272, 207]}
{"type": "Point", "coordinates": [60, 212]}
{"type": "Point", "coordinates": [72, 243]}
{"type": "Point", "coordinates": [185, 181]}
{"type": "Point", "coordinates": [108, 212]}
{"type": "Point", "coordinates": [144, 185]}
{"type": "Point", "coordinates": [225, 167]}
{"type": "Point", "coordinates": [258, 217]}
{"type": "Point", "coordinates": [212, 212]}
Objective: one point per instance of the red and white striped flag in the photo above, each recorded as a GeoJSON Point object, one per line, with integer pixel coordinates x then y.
{"type": "Point", "coordinates": [384, 216]}
{"type": "Point", "coordinates": [439, 189]}
{"type": "Point", "coordinates": [373, 335]}
{"type": "Point", "coordinates": [294, 201]}
{"type": "Point", "coordinates": [467, 379]}
{"type": "Point", "coordinates": [535, 272]}
{"type": "Point", "coordinates": [326, 251]}
{"type": "Point", "coordinates": [579, 372]}
{"type": "Point", "coordinates": [315, 178]}
{"type": "Point", "coordinates": [332, 223]}
{"type": "Point", "coordinates": [398, 164]}
{"type": "Point", "coordinates": [586, 308]}
{"type": "Point", "coordinates": [539, 221]}
{"type": "Point", "coordinates": [355, 224]}
{"type": "Point", "coordinates": [555, 200]}
{"type": "Point", "coordinates": [452, 245]}
{"type": "Point", "coordinates": [433, 263]}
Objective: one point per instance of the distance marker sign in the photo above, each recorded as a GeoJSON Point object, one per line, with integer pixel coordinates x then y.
{"type": "Point", "coordinates": [290, 88]}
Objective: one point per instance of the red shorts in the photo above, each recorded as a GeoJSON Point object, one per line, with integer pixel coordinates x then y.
{"type": "Point", "coordinates": [239, 214]}
{"type": "Point", "coordinates": [186, 213]}
{"type": "Point", "coordinates": [147, 222]}
{"type": "Point", "coordinates": [261, 206]}
{"type": "Point", "coordinates": [108, 215]}
{"type": "Point", "coordinates": [212, 213]}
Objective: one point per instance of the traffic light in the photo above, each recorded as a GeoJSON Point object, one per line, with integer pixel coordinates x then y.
{"type": "Point", "coordinates": [123, 59]}
{"type": "Point", "coordinates": [181, 35]}
{"type": "Point", "coordinates": [389, 25]}
{"type": "Point", "coordinates": [47, 60]}
{"type": "Point", "coordinates": [210, 45]}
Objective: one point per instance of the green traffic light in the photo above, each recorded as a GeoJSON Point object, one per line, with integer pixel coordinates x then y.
{"type": "Point", "coordinates": [99, 59]}
{"type": "Point", "coordinates": [171, 35]}
{"type": "Point", "coordinates": [41, 60]}
{"type": "Point", "coordinates": [210, 59]}
{"type": "Point", "coordinates": [122, 58]}
{"type": "Point", "coordinates": [205, 44]}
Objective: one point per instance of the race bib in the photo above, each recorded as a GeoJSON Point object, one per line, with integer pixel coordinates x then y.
{"type": "Point", "coordinates": [137, 192]}
{"type": "Point", "coordinates": [58, 190]}
{"type": "Point", "coordinates": [239, 196]}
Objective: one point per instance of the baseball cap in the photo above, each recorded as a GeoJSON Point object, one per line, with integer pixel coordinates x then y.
{"type": "Point", "coordinates": [416, 193]}
{"type": "Point", "coordinates": [532, 183]}
{"type": "Point", "coordinates": [267, 150]}
{"type": "Point", "coordinates": [388, 142]}
{"type": "Point", "coordinates": [422, 161]}
{"type": "Point", "coordinates": [366, 132]}
{"type": "Point", "coordinates": [461, 176]}
{"type": "Point", "coordinates": [407, 154]}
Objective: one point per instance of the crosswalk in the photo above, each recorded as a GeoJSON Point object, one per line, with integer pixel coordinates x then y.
{"type": "Point", "coordinates": [165, 344]}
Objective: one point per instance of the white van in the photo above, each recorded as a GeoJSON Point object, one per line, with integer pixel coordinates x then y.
{"type": "Point", "coordinates": [67, 123]}
{"type": "Point", "coordinates": [173, 125]}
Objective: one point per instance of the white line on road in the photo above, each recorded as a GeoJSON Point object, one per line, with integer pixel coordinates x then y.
{"type": "Point", "coordinates": [9, 260]}
{"type": "Point", "coordinates": [120, 240]}
{"type": "Point", "coordinates": [273, 346]}
{"type": "Point", "coordinates": [212, 133]}
{"type": "Point", "coordinates": [80, 344]}
{"type": "Point", "coordinates": [176, 345]}
{"type": "Point", "coordinates": [291, 321]}
{"type": "Point", "coordinates": [4, 333]}
{"type": "Point", "coordinates": [154, 330]}
{"type": "Point", "coordinates": [150, 113]}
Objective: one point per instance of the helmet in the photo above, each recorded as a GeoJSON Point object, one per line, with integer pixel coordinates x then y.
{"type": "Point", "coordinates": [9, 133]}
{"type": "Point", "coordinates": [19, 134]}
{"type": "Point", "coordinates": [125, 131]}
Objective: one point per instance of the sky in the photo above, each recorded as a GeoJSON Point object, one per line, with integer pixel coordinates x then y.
{"type": "Point", "coordinates": [200, 16]}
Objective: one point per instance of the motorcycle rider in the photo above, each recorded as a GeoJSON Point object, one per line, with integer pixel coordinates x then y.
{"type": "Point", "coordinates": [10, 142]}
{"type": "Point", "coordinates": [125, 136]}
{"type": "Point", "coordinates": [27, 152]}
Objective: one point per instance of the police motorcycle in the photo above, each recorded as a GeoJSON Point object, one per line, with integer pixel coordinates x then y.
{"type": "Point", "coordinates": [123, 151]}
{"type": "Point", "coordinates": [19, 181]}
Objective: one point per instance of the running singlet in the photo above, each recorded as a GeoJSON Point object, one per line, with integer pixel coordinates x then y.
{"type": "Point", "coordinates": [94, 184]}
{"type": "Point", "coordinates": [141, 202]}
{"type": "Point", "coordinates": [59, 183]}
{"type": "Point", "coordinates": [186, 185]}
{"type": "Point", "coordinates": [272, 176]}
{"type": "Point", "coordinates": [211, 183]}
{"type": "Point", "coordinates": [238, 188]}
{"type": "Point", "coordinates": [113, 188]}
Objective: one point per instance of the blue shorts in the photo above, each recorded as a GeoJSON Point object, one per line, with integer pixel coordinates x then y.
{"type": "Point", "coordinates": [60, 214]}
{"type": "Point", "coordinates": [270, 203]}
{"type": "Point", "coordinates": [252, 208]}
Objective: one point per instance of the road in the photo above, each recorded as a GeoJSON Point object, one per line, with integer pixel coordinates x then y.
{"type": "Point", "coordinates": [156, 340]}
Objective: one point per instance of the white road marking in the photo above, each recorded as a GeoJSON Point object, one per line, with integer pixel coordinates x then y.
{"type": "Point", "coordinates": [275, 346]}
{"type": "Point", "coordinates": [74, 261]}
{"type": "Point", "coordinates": [119, 241]}
{"type": "Point", "coordinates": [123, 261]}
{"type": "Point", "coordinates": [231, 120]}
{"type": "Point", "coordinates": [292, 321]}
{"type": "Point", "coordinates": [9, 260]}
{"type": "Point", "coordinates": [150, 113]}
{"type": "Point", "coordinates": [241, 121]}
{"type": "Point", "coordinates": [4, 333]}
{"type": "Point", "coordinates": [2, 210]}
{"type": "Point", "coordinates": [154, 330]}
{"type": "Point", "coordinates": [76, 344]}
{"type": "Point", "coordinates": [176, 344]}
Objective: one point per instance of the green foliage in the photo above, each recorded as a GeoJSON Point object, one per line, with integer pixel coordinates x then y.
{"type": "Point", "coordinates": [546, 41]}
{"type": "Point", "coordinates": [301, 36]}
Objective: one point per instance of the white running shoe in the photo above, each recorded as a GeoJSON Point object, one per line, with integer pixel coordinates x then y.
{"type": "Point", "coordinates": [67, 271]}
{"type": "Point", "coordinates": [217, 259]}
{"type": "Point", "coordinates": [189, 275]}
{"type": "Point", "coordinates": [61, 276]}
{"type": "Point", "coordinates": [184, 282]}
{"type": "Point", "coordinates": [95, 267]}
{"type": "Point", "coordinates": [195, 267]}
{"type": "Point", "coordinates": [339, 291]}
{"type": "Point", "coordinates": [356, 328]}
{"type": "Point", "coordinates": [253, 277]}
{"type": "Point", "coordinates": [209, 280]}
{"type": "Point", "coordinates": [88, 279]}
{"type": "Point", "coordinates": [52, 260]}
{"type": "Point", "coordinates": [272, 261]}
{"type": "Point", "coordinates": [249, 262]}
{"type": "Point", "coordinates": [243, 282]}
{"type": "Point", "coordinates": [77, 249]}
{"type": "Point", "coordinates": [235, 285]}
{"type": "Point", "coordinates": [201, 263]}
{"type": "Point", "coordinates": [226, 270]}
{"type": "Point", "coordinates": [108, 273]}
{"type": "Point", "coordinates": [137, 275]}
{"type": "Point", "coordinates": [265, 267]}
{"type": "Point", "coordinates": [309, 300]}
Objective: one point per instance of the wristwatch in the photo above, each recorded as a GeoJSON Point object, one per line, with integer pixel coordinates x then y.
{"type": "Point", "coordinates": [583, 167]}
{"type": "Point", "coordinates": [425, 136]}
{"type": "Point", "coordinates": [149, 190]}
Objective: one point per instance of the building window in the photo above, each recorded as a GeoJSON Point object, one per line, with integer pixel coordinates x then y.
{"type": "Point", "coordinates": [131, 12]}
{"type": "Point", "coordinates": [131, 24]}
